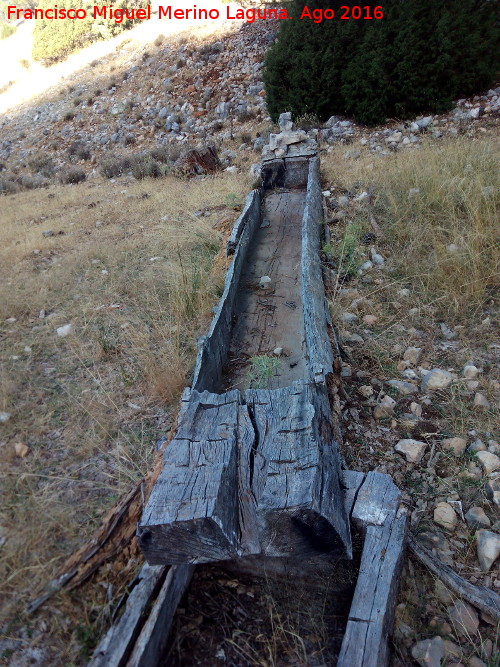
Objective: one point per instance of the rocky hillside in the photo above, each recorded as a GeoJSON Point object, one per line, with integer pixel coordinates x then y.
{"type": "Point", "coordinates": [176, 93]}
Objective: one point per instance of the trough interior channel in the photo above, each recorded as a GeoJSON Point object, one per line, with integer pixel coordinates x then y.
{"type": "Point", "coordinates": [266, 319]}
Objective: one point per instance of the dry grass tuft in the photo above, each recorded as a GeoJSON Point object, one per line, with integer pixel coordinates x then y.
{"type": "Point", "coordinates": [430, 199]}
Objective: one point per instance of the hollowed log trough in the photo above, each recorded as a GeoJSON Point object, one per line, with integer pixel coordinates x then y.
{"type": "Point", "coordinates": [254, 475]}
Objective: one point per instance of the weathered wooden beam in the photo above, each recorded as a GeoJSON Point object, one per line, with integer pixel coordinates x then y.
{"type": "Point", "coordinates": [251, 211]}
{"type": "Point", "coordinates": [149, 649]}
{"type": "Point", "coordinates": [192, 513]}
{"type": "Point", "coordinates": [485, 599]}
{"type": "Point", "coordinates": [214, 346]}
{"type": "Point", "coordinates": [377, 514]}
{"type": "Point", "coordinates": [117, 644]}
{"type": "Point", "coordinates": [296, 473]}
{"type": "Point", "coordinates": [317, 322]}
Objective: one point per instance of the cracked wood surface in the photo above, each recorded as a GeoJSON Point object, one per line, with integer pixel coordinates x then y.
{"type": "Point", "coordinates": [376, 513]}
{"type": "Point", "coordinates": [192, 515]}
{"type": "Point", "coordinates": [260, 478]}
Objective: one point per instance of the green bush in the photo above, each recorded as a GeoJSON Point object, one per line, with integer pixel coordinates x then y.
{"type": "Point", "coordinates": [54, 40]}
{"type": "Point", "coordinates": [418, 58]}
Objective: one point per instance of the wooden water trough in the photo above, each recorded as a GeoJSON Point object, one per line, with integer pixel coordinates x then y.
{"type": "Point", "coordinates": [253, 475]}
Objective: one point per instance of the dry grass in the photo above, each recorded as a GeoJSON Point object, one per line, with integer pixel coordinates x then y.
{"type": "Point", "coordinates": [457, 202]}
{"type": "Point", "coordinates": [90, 406]}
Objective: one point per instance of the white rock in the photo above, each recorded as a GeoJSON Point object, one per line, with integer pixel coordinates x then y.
{"type": "Point", "coordinates": [437, 378]}
{"type": "Point", "coordinates": [416, 409]}
{"type": "Point", "coordinates": [366, 390]}
{"type": "Point", "coordinates": [376, 258]}
{"type": "Point", "coordinates": [412, 355]}
{"type": "Point", "coordinates": [476, 518]}
{"type": "Point", "coordinates": [366, 266]}
{"type": "Point", "coordinates": [278, 351]}
{"type": "Point", "coordinates": [452, 248]}
{"type": "Point", "coordinates": [470, 372]}
{"type": "Point", "coordinates": [349, 317]}
{"type": "Point", "coordinates": [265, 282]}
{"type": "Point", "coordinates": [405, 388]}
{"type": "Point", "coordinates": [455, 445]}
{"type": "Point", "coordinates": [65, 330]}
{"type": "Point", "coordinates": [445, 516]}
{"type": "Point", "coordinates": [489, 461]}
{"type": "Point", "coordinates": [412, 450]}
{"type": "Point", "coordinates": [362, 196]}
{"type": "Point", "coordinates": [385, 408]}
{"type": "Point", "coordinates": [4, 417]}
{"type": "Point", "coordinates": [481, 402]}
{"type": "Point", "coordinates": [488, 548]}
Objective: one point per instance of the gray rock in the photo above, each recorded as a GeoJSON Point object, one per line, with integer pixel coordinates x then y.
{"type": "Point", "coordinates": [404, 388]}
{"type": "Point", "coordinates": [492, 490]}
{"type": "Point", "coordinates": [476, 518]}
{"type": "Point", "coordinates": [470, 372]}
{"type": "Point", "coordinates": [481, 402]}
{"type": "Point", "coordinates": [488, 548]}
{"type": "Point", "coordinates": [64, 330]}
{"type": "Point", "coordinates": [285, 122]}
{"type": "Point", "coordinates": [376, 258]}
{"type": "Point", "coordinates": [437, 378]}
{"type": "Point", "coordinates": [422, 123]}
{"type": "Point", "coordinates": [429, 652]}
{"type": "Point", "coordinates": [464, 619]}
{"type": "Point", "coordinates": [447, 332]}
{"type": "Point", "coordinates": [4, 417]}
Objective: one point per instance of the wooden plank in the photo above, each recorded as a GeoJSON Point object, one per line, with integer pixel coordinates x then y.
{"type": "Point", "coordinates": [249, 459]}
{"type": "Point", "coordinates": [213, 347]}
{"type": "Point", "coordinates": [251, 210]}
{"type": "Point", "coordinates": [351, 483]}
{"type": "Point", "coordinates": [152, 642]}
{"type": "Point", "coordinates": [296, 479]}
{"type": "Point", "coordinates": [116, 645]}
{"type": "Point", "coordinates": [316, 314]}
{"type": "Point", "coordinates": [377, 500]}
{"type": "Point", "coordinates": [192, 514]}
{"type": "Point", "coordinates": [485, 599]}
{"type": "Point", "coordinates": [376, 513]}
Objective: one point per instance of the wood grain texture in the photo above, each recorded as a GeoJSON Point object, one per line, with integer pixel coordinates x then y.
{"type": "Point", "coordinates": [117, 644]}
{"type": "Point", "coordinates": [251, 210]}
{"type": "Point", "coordinates": [316, 314]}
{"type": "Point", "coordinates": [192, 513]}
{"type": "Point", "coordinates": [296, 480]}
{"type": "Point", "coordinates": [376, 512]}
{"type": "Point", "coordinates": [377, 501]}
{"type": "Point", "coordinates": [151, 644]}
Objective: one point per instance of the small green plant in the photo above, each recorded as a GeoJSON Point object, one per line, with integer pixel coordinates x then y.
{"type": "Point", "coordinates": [262, 368]}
